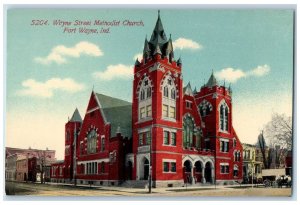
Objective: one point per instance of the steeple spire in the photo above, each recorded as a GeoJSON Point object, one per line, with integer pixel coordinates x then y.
{"type": "Point", "coordinates": [158, 35]}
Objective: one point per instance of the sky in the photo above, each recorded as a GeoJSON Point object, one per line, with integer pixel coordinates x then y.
{"type": "Point", "coordinates": [51, 69]}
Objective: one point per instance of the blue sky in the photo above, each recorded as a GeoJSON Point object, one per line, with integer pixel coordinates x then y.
{"type": "Point", "coordinates": [50, 73]}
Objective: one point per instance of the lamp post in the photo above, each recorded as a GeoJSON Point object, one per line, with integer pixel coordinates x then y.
{"type": "Point", "coordinates": [150, 161]}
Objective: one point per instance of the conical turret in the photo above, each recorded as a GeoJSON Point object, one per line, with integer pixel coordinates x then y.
{"type": "Point", "coordinates": [212, 81]}
{"type": "Point", "coordinates": [76, 116]}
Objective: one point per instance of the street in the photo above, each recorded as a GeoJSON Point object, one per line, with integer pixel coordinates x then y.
{"type": "Point", "coordinates": [18, 188]}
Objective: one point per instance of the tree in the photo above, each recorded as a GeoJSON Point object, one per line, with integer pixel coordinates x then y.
{"type": "Point", "coordinates": [264, 150]}
{"type": "Point", "coordinates": [280, 130]}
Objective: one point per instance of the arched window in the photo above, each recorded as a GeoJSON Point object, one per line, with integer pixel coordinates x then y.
{"type": "Point", "coordinates": [205, 108]}
{"type": "Point", "coordinates": [188, 132]}
{"type": "Point", "coordinates": [169, 98]}
{"type": "Point", "coordinates": [224, 113]}
{"type": "Point", "coordinates": [145, 99]}
{"type": "Point", "coordinates": [91, 141]}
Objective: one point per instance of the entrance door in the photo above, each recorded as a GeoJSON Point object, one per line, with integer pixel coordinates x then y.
{"type": "Point", "coordinates": [208, 172]}
{"type": "Point", "coordinates": [187, 171]}
{"type": "Point", "coordinates": [129, 169]}
{"type": "Point", "coordinates": [146, 169]}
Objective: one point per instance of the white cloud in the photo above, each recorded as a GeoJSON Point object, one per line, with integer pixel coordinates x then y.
{"type": "Point", "coordinates": [232, 75]}
{"type": "Point", "coordinates": [260, 70]}
{"type": "Point", "coordinates": [59, 53]}
{"type": "Point", "coordinates": [183, 43]}
{"type": "Point", "coordinates": [46, 89]}
{"type": "Point", "coordinates": [115, 71]}
{"type": "Point", "coordinates": [138, 56]}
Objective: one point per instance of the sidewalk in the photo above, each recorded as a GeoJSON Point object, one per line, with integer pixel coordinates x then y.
{"type": "Point", "coordinates": [154, 190]}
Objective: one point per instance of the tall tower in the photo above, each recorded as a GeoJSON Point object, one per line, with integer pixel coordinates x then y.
{"type": "Point", "coordinates": [72, 128]}
{"type": "Point", "coordinates": [215, 105]}
{"type": "Point", "coordinates": [157, 110]}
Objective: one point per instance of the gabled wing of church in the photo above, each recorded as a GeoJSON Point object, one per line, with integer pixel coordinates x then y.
{"type": "Point", "coordinates": [169, 133]}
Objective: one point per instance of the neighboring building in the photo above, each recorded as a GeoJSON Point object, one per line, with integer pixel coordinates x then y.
{"type": "Point", "coordinates": [172, 132]}
{"type": "Point", "coordinates": [37, 161]}
{"type": "Point", "coordinates": [10, 167]}
{"type": "Point", "coordinates": [250, 165]}
{"type": "Point", "coordinates": [22, 168]}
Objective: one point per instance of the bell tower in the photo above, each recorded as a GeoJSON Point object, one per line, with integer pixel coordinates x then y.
{"type": "Point", "coordinates": [157, 108]}
{"type": "Point", "coordinates": [72, 128]}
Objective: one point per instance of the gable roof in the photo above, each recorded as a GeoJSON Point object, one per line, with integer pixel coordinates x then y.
{"type": "Point", "coordinates": [116, 112]}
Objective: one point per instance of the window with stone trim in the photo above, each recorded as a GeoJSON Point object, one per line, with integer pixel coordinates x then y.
{"type": "Point", "coordinates": [92, 141]}
{"type": "Point", "coordinates": [223, 119]}
{"type": "Point", "coordinates": [224, 145]}
{"type": "Point", "coordinates": [188, 131]}
{"type": "Point", "coordinates": [224, 169]}
{"type": "Point", "coordinates": [168, 89]}
{"type": "Point", "coordinates": [145, 99]}
{"type": "Point", "coordinates": [144, 138]}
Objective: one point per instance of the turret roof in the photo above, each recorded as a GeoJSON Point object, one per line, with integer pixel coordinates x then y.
{"type": "Point", "coordinates": [76, 116]}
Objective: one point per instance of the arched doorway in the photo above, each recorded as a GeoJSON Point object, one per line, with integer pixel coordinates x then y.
{"type": "Point", "coordinates": [198, 171]}
{"type": "Point", "coordinates": [129, 170]}
{"type": "Point", "coordinates": [207, 173]}
{"type": "Point", "coordinates": [146, 169]}
{"type": "Point", "coordinates": [187, 169]}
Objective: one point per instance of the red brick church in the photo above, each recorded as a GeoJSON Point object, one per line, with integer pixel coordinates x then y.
{"type": "Point", "coordinates": [171, 132]}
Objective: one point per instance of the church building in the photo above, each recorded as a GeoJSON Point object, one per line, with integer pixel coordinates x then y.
{"type": "Point", "coordinates": [169, 132]}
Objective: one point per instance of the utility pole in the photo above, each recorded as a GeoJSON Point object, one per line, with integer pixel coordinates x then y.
{"type": "Point", "coordinates": [215, 168]}
{"type": "Point", "coordinates": [150, 161]}
{"type": "Point", "coordinates": [74, 155]}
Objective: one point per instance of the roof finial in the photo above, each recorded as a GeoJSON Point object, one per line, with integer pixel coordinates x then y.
{"type": "Point", "coordinates": [93, 88]}
{"type": "Point", "coordinates": [224, 82]}
{"type": "Point", "coordinates": [158, 13]}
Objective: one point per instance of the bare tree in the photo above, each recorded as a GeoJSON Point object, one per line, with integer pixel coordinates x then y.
{"type": "Point", "coordinates": [280, 130]}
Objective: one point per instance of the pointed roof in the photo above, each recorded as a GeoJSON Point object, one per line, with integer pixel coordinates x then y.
{"type": "Point", "coordinates": [137, 62]}
{"type": "Point", "coordinates": [179, 61]}
{"type": "Point", "coordinates": [116, 112]}
{"type": "Point", "coordinates": [195, 90]}
{"type": "Point", "coordinates": [146, 46]}
{"type": "Point", "coordinates": [187, 90]}
{"type": "Point", "coordinates": [158, 35]}
{"type": "Point", "coordinates": [212, 81]}
{"type": "Point", "coordinates": [169, 48]}
{"type": "Point", "coordinates": [157, 50]}
{"type": "Point", "coordinates": [76, 116]}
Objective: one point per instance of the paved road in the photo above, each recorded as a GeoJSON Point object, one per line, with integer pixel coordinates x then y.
{"type": "Point", "coordinates": [209, 191]}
